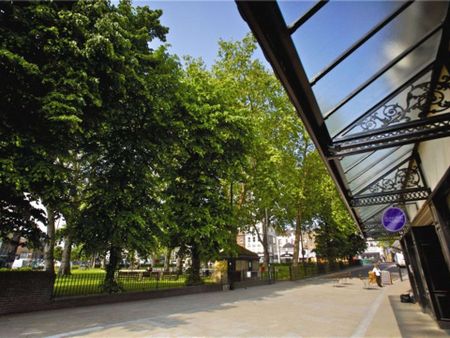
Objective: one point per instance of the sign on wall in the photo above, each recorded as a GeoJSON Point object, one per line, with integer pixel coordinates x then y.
{"type": "Point", "coordinates": [394, 219]}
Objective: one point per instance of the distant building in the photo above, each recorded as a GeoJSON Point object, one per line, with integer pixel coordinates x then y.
{"type": "Point", "coordinates": [250, 240]}
{"type": "Point", "coordinates": [286, 245]}
{"type": "Point", "coordinates": [374, 252]}
{"type": "Point", "coordinates": [287, 253]}
{"type": "Point", "coordinates": [280, 246]}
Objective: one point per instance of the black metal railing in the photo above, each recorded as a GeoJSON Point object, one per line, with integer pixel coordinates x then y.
{"type": "Point", "coordinates": [81, 284]}
{"type": "Point", "coordinates": [306, 270]}
{"type": "Point", "coordinates": [90, 283]}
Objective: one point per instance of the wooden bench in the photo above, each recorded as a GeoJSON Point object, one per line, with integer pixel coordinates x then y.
{"type": "Point", "coordinates": [130, 274]}
{"type": "Point", "coordinates": [169, 276]}
{"type": "Point", "coordinates": [151, 275]}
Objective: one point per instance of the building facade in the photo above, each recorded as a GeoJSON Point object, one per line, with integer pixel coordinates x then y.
{"type": "Point", "coordinates": [281, 246]}
{"type": "Point", "coordinates": [251, 241]}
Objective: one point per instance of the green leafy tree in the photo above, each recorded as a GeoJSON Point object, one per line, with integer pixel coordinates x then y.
{"type": "Point", "coordinates": [58, 251]}
{"type": "Point", "coordinates": [127, 153]}
{"type": "Point", "coordinates": [337, 234]}
{"type": "Point", "coordinates": [249, 87]}
{"type": "Point", "coordinates": [211, 150]}
{"type": "Point", "coordinates": [44, 111]}
{"type": "Point", "coordinates": [304, 174]}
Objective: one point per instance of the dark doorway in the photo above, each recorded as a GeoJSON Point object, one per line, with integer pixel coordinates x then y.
{"type": "Point", "coordinates": [441, 204]}
{"type": "Point", "coordinates": [416, 278]}
{"type": "Point", "coordinates": [435, 270]}
{"type": "Point", "coordinates": [231, 272]}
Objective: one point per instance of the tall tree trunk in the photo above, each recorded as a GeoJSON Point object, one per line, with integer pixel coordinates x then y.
{"type": "Point", "coordinates": [110, 284]}
{"type": "Point", "coordinates": [301, 244]}
{"type": "Point", "coordinates": [11, 249]}
{"type": "Point", "coordinates": [194, 275]}
{"type": "Point", "coordinates": [93, 261]}
{"type": "Point", "coordinates": [265, 239]}
{"type": "Point", "coordinates": [180, 258]}
{"type": "Point", "coordinates": [64, 269]}
{"type": "Point", "coordinates": [298, 233]}
{"type": "Point", "coordinates": [167, 260]}
{"type": "Point", "coordinates": [49, 261]}
{"type": "Point", "coordinates": [131, 259]}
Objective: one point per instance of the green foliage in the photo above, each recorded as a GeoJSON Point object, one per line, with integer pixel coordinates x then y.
{"type": "Point", "coordinates": [26, 268]}
{"type": "Point", "coordinates": [137, 153]}
{"type": "Point", "coordinates": [249, 88]}
{"type": "Point", "coordinates": [135, 86]}
{"type": "Point", "coordinates": [211, 149]}
{"type": "Point", "coordinates": [272, 189]}
{"type": "Point", "coordinates": [83, 121]}
{"type": "Point", "coordinates": [337, 234]}
{"type": "Point", "coordinates": [58, 253]}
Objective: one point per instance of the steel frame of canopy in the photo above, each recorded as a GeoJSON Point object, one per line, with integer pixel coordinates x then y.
{"type": "Point", "coordinates": [379, 127]}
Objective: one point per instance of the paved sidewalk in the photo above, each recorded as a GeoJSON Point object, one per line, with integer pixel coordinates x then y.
{"type": "Point", "coordinates": [313, 308]}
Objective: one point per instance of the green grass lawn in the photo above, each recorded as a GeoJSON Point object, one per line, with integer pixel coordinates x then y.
{"type": "Point", "coordinates": [282, 272]}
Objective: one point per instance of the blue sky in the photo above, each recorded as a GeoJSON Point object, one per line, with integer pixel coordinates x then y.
{"type": "Point", "coordinates": [195, 27]}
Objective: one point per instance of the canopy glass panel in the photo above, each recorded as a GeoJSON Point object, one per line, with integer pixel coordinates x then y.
{"type": "Point", "coordinates": [382, 86]}
{"type": "Point", "coordinates": [403, 107]}
{"type": "Point", "coordinates": [335, 28]}
{"type": "Point", "coordinates": [386, 45]}
{"type": "Point", "coordinates": [376, 159]}
{"type": "Point", "coordinates": [365, 213]}
{"type": "Point", "coordinates": [369, 171]}
{"type": "Point", "coordinates": [377, 73]}
{"type": "Point", "coordinates": [294, 10]}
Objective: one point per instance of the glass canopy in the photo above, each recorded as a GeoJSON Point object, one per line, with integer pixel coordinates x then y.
{"type": "Point", "coordinates": [370, 81]}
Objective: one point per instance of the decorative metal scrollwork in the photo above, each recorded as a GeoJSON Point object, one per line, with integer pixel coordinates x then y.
{"type": "Point", "coordinates": [390, 114]}
{"type": "Point", "coordinates": [430, 128]}
{"type": "Point", "coordinates": [416, 100]}
{"type": "Point", "coordinates": [389, 198]}
{"type": "Point", "coordinates": [403, 179]}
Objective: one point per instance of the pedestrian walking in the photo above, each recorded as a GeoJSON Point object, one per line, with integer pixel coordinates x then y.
{"type": "Point", "coordinates": [376, 270]}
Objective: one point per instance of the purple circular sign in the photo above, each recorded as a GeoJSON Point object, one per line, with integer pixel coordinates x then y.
{"type": "Point", "coordinates": [394, 219]}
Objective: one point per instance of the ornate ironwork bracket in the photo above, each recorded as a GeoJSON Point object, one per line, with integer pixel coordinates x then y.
{"type": "Point", "coordinates": [419, 99]}
{"type": "Point", "coordinates": [403, 183]}
{"type": "Point", "coordinates": [391, 197]}
{"type": "Point", "coordinates": [403, 133]}
{"type": "Point", "coordinates": [405, 175]}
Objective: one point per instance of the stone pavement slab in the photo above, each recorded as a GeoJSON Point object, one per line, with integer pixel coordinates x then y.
{"type": "Point", "coordinates": [313, 308]}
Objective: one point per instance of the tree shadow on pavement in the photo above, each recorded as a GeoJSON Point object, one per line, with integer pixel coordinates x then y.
{"type": "Point", "coordinates": [152, 314]}
{"type": "Point", "coordinates": [157, 313]}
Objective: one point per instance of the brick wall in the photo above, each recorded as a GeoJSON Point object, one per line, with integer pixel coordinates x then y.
{"type": "Point", "coordinates": [25, 290]}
